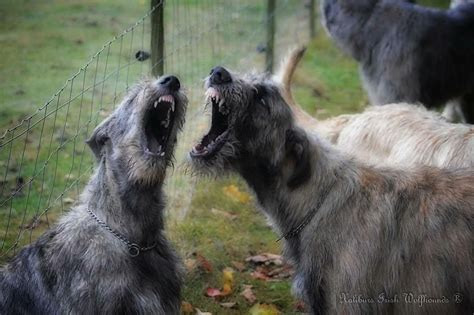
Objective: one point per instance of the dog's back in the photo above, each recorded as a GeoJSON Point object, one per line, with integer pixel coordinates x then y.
{"type": "Point", "coordinates": [24, 287]}
{"type": "Point", "coordinates": [408, 53]}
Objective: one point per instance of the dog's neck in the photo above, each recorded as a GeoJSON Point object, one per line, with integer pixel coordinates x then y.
{"type": "Point", "coordinates": [132, 209]}
{"type": "Point", "coordinates": [288, 208]}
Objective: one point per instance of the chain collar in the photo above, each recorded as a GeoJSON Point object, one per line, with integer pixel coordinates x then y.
{"type": "Point", "coordinates": [133, 248]}
{"type": "Point", "coordinates": [309, 216]}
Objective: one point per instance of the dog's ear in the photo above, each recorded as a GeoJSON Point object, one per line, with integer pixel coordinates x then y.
{"type": "Point", "coordinates": [99, 137]}
{"type": "Point", "coordinates": [297, 148]}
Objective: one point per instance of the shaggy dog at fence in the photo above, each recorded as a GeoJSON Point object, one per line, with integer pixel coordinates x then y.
{"type": "Point", "coordinates": [352, 232]}
{"type": "Point", "coordinates": [400, 134]}
{"type": "Point", "coordinates": [109, 254]}
{"type": "Point", "coordinates": [408, 53]}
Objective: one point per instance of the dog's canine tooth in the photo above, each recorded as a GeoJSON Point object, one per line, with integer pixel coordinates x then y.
{"type": "Point", "coordinates": [156, 103]}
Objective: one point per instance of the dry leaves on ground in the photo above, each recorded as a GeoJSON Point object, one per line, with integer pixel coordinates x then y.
{"type": "Point", "coordinates": [248, 294]}
{"type": "Point", "coordinates": [187, 308]}
{"type": "Point", "coordinates": [269, 267]}
{"type": "Point", "coordinates": [203, 263]}
{"type": "Point", "coordinates": [224, 214]}
{"type": "Point", "coordinates": [227, 285]}
{"type": "Point", "coordinates": [264, 309]}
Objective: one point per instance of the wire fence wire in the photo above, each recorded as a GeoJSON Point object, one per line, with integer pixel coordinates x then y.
{"type": "Point", "coordinates": [44, 161]}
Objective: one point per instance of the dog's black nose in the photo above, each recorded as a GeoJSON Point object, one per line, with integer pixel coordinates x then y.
{"type": "Point", "coordinates": [219, 75]}
{"type": "Point", "coordinates": [170, 82]}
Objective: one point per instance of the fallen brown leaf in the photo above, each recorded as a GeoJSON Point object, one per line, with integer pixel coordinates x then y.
{"type": "Point", "coordinates": [248, 294]}
{"type": "Point", "coordinates": [190, 264]}
{"type": "Point", "coordinates": [224, 214]}
{"type": "Point", "coordinates": [264, 309]}
{"type": "Point", "coordinates": [233, 192]}
{"type": "Point", "coordinates": [228, 304]}
{"type": "Point", "coordinates": [199, 312]}
{"type": "Point", "coordinates": [238, 265]}
{"type": "Point", "coordinates": [187, 308]}
{"type": "Point", "coordinates": [266, 258]}
{"type": "Point", "coordinates": [260, 274]}
{"type": "Point", "coordinates": [212, 292]}
{"type": "Point", "coordinates": [284, 272]}
{"type": "Point", "coordinates": [203, 263]}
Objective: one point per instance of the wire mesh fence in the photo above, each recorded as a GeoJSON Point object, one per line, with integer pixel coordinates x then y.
{"type": "Point", "coordinates": [44, 161]}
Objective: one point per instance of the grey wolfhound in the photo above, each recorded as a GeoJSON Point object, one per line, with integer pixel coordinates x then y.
{"type": "Point", "coordinates": [408, 53]}
{"type": "Point", "coordinates": [400, 134]}
{"type": "Point", "coordinates": [109, 254]}
{"type": "Point", "coordinates": [363, 240]}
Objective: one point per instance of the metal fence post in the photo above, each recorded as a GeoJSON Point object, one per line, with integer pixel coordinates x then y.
{"type": "Point", "coordinates": [157, 38]}
{"type": "Point", "coordinates": [270, 35]}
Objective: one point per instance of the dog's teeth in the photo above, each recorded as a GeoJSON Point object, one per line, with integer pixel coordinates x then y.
{"type": "Point", "coordinates": [162, 154]}
{"type": "Point", "coordinates": [155, 104]}
{"type": "Point", "coordinates": [159, 148]}
{"type": "Point", "coordinates": [172, 105]}
{"type": "Point", "coordinates": [221, 102]}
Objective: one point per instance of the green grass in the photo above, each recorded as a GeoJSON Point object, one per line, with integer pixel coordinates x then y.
{"type": "Point", "coordinates": [45, 42]}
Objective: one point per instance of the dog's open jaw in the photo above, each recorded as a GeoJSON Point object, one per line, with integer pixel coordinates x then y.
{"type": "Point", "coordinates": [159, 121]}
{"type": "Point", "coordinates": [214, 140]}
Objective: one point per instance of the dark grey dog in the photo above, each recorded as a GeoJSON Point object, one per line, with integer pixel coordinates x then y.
{"type": "Point", "coordinates": [408, 53]}
{"type": "Point", "coordinates": [362, 240]}
{"type": "Point", "coordinates": [109, 254]}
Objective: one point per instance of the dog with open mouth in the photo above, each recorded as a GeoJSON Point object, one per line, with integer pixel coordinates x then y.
{"type": "Point", "coordinates": [352, 232]}
{"type": "Point", "coordinates": [109, 253]}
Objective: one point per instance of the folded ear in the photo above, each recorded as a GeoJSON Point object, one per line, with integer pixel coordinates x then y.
{"type": "Point", "coordinates": [297, 148]}
{"type": "Point", "coordinates": [99, 137]}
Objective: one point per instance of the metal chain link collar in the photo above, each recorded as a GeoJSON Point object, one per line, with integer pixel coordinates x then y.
{"type": "Point", "coordinates": [309, 216]}
{"type": "Point", "coordinates": [133, 248]}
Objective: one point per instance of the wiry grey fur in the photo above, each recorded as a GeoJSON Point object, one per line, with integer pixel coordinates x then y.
{"type": "Point", "coordinates": [78, 267]}
{"type": "Point", "coordinates": [408, 53]}
{"type": "Point", "coordinates": [375, 232]}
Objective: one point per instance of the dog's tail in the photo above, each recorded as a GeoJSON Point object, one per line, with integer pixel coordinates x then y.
{"type": "Point", "coordinates": [285, 77]}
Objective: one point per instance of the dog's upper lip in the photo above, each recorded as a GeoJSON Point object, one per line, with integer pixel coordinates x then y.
{"type": "Point", "coordinates": [215, 96]}
{"type": "Point", "coordinates": [168, 98]}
